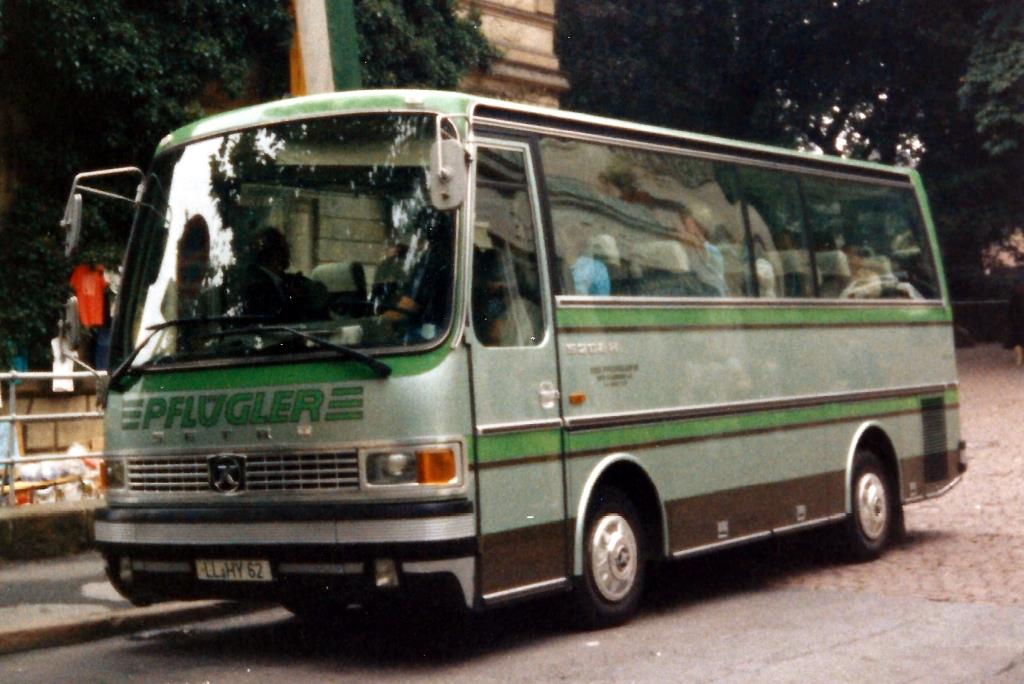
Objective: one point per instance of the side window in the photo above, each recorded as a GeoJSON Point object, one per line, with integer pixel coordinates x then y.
{"type": "Point", "coordinates": [781, 259]}
{"type": "Point", "coordinates": [506, 306]}
{"type": "Point", "coordinates": [629, 222]}
{"type": "Point", "coordinates": [868, 241]}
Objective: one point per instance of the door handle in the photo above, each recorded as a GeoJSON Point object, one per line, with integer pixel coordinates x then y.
{"type": "Point", "coordinates": [549, 395]}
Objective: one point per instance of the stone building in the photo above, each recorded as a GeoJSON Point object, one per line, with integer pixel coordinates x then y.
{"type": "Point", "coordinates": [528, 71]}
{"type": "Point", "coordinates": [522, 30]}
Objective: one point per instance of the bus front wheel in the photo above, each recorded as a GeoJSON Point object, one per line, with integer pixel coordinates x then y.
{"type": "Point", "coordinates": [871, 524]}
{"type": "Point", "coordinates": [614, 557]}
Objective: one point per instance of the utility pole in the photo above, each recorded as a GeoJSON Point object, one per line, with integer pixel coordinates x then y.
{"type": "Point", "coordinates": [325, 53]}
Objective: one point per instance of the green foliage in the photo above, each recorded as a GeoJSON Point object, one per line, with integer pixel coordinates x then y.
{"type": "Point", "coordinates": [993, 88]}
{"type": "Point", "coordinates": [874, 79]}
{"type": "Point", "coordinates": [418, 43]}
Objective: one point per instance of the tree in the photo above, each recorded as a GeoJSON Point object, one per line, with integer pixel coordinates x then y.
{"type": "Point", "coordinates": [419, 43]}
{"type": "Point", "coordinates": [874, 79]}
{"type": "Point", "coordinates": [993, 87]}
{"type": "Point", "coordinates": [992, 97]}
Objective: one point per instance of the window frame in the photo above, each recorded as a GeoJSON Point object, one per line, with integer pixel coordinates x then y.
{"type": "Point", "coordinates": [508, 141]}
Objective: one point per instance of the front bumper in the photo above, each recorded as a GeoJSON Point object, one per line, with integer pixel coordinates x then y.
{"type": "Point", "coordinates": [337, 549]}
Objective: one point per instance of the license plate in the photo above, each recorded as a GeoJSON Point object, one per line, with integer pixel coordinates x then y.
{"type": "Point", "coordinates": [234, 570]}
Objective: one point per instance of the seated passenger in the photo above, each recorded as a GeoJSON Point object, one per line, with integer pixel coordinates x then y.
{"type": "Point", "coordinates": [423, 302]}
{"type": "Point", "coordinates": [865, 282]}
{"type": "Point", "coordinates": [590, 270]}
{"type": "Point", "coordinates": [501, 317]}
{"type": "Point", "coordinates": [833, 272]}
{"type": "Point", "coordinates": [706, 260]}
{"type": "Point", "coordinates": [269, 290]}
{"type": "Point", "coordinates": [389, 276]}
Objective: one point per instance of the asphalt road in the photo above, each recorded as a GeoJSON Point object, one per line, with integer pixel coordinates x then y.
{"type": "Point", "coordinates": [719, 619]}
{"type": "Point", "coordinates": [78, 579]}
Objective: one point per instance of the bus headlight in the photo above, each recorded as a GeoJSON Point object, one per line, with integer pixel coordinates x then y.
{"type": "Point", "coordinates": [389, 468]}
{"type": "Point", "coordinates": [113, 474]}
{"type": "Point", "coordinates": [422, 466]}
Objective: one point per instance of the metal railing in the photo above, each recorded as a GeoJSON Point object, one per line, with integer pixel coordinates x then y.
{"type": "Point", "coordinates": [14, 419]}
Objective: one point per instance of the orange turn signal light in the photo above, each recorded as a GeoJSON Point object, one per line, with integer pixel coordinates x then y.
{"type": "Point", "coordinates": [436, 466]}
{"type": "Point", "coordinates": [577, 398]}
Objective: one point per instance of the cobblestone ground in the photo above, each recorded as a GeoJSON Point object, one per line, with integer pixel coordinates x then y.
{"type": "Point", "coordinates": [969, 544]}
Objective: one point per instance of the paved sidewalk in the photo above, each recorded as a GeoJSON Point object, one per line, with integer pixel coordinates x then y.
{"type": "Point", "coordinates": [68, 600]}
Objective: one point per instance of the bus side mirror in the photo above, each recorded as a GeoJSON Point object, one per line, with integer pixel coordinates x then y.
{"type": "Point", "coordinates": [72, 222]}
{"type": "Point", "coordinates": [448, 174]}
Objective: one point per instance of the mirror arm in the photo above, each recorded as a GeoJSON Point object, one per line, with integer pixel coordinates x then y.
{"type": "Point", "coordinates": [72, 219]}
{"type": "Point", "coordinates": [104, 193]}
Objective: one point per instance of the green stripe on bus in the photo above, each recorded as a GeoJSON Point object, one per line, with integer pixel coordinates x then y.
{"type": "Point", "coordinates": [345, 415]}
{"type": "Point", "coordinates": [614, 317]}
{"type": "Point", "coordinates": [515, 445]}
{"type": "Point", "coordinates": [288, 373]}
{"type": "Point", "coordinates": [345, 404]}
{"type": "Point", "coordinates": [652, 434]}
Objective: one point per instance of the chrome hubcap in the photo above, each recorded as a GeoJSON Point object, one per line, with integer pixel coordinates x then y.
{"type": "Point", "coordinates": [872, 505]}
{"type": "Point", "coordinates": [613, 557]}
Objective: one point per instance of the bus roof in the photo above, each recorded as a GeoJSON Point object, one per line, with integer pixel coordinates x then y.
{"type": "Point", "coordinates": [455, 103]}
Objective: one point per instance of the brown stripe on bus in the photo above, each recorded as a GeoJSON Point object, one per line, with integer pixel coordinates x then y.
{"type": "Point", "coordinates": [523, 556]}
{"type": "Point", "coordinates": [694, 521]}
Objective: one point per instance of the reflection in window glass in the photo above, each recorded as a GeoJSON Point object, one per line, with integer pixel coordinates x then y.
{"type": "Point", "coordinates": [781, 259]}
{"type": "Point", "coordinates": [629, 222]}
{"type": "Point", "coordinates": [868, 241]}
{"type": "Point", "coordinates": [324, 226]}
{"type": "Point", "coordinates": [506, 280]}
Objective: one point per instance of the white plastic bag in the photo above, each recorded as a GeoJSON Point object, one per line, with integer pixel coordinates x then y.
{"type": "Point", "coordinates": [62, 363]}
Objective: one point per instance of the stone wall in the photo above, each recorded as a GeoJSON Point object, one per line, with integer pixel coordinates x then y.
{"type": "Point", "coordinates": [527, 71]}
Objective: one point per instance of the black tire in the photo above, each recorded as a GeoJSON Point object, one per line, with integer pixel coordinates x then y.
{"type": "Point", "coordinates": [875, 513]}
{"type": "Point", "coordinates": [614, 561]}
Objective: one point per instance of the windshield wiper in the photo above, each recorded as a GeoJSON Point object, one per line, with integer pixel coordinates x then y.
{"type": "Point", "coordinates": [381, 369]}
{"type": "Point", "coordinates": [115, 376]}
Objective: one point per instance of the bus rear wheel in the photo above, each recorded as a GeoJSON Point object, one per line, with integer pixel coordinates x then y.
{"type": "Point", "coordinates": [614, 558]}
{"type": "Point", "coordinates": [874, 508]}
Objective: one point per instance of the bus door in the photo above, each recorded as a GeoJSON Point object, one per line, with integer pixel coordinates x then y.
{"type": "Point", "coordinates": [519, 467]}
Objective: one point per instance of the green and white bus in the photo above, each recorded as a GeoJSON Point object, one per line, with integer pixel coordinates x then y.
{"type": "Point", "coordinates": [379, 342]}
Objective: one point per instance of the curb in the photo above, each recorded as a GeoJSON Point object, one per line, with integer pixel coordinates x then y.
{"type": "Point", "coordinates": [48, 530]}
{"type": "Point", "coordinates": [63, 633]}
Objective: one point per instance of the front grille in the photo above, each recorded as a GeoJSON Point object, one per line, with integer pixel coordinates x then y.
{"type": "Point", "coordinates": [263, 472]}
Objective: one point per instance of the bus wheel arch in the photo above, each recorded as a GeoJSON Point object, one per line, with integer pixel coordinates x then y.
{"type": "Point", "coordinates": [625, 473]}
{"type": "Point", "coordinates": [872, 463]}
{"type": "Point", "coordinates": [873, 437]}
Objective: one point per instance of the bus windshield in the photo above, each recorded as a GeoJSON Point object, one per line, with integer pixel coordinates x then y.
{"type": "Point", "coordinates": [320, 226]}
